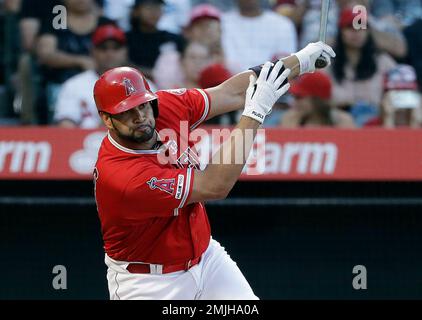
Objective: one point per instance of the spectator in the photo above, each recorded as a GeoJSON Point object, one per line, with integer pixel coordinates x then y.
{"type": "Point", "coordinates": [205, 27]}
{"type": "Point", "coordinates": [175, 16]}
{"type": "Point", "coordinates": [402, 103]}
{"type": "Point", "coordinates": [311, 106]}
{"type": "Point", "coordinates": [213, 75]}
{"type": "Point", "coordinates": [307, 14]}
{"type": "Point", "coordinates": [119, 11]}
{"type": "Point", "coordinates": [65, 52]}
{"type": "Point", "coordinates": [144, 38]}
{"type": "Point", "coordinates": [402, 13]}
{"type": "Point", "coordinates": [386, 35]}
{"type": "Point", "coordinates": [75, 105]}
{"type": "Point", "coordinates": [414, 40]}
{"type": "Point", "coordinates": [280, 108]}
{"type": "Point", "coordinates": [32, 14]}
{"type": "Point", "coordinates": [293, 9]}
{"type": "Point", "coordinates": [173, 70]}
{"type": "Point", "coordinates": [194, 59]}
{"type": "Point", "coordinates": [358, 70]}
{"type": "Point", "coordinates": [9, 47]}
{"type": "Point", "coordinates": [252, 35]}
{"type": "Point", "coordinates": [223, 5]}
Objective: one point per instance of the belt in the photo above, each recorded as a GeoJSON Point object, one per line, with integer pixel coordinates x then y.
{"type": "Point", "coordinates": [161, 269]}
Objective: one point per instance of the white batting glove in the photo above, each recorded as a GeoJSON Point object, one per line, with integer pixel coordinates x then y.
{"type": "Point", "coordinates": [262, 93]}
{"type": "Point", "coordinates": [308, 56]}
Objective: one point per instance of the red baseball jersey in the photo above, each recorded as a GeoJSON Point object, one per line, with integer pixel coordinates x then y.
{"type": "Point", "coordinates": [142, 202]}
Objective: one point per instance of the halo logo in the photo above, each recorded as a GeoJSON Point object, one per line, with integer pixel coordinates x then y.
{"type": "Point", "coordinates": [166, 185]}
{"type": "Point", "coordinates": [130, 88]}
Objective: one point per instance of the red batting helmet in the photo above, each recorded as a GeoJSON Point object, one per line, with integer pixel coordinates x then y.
{"type": "Point", "coordinates": [121, 89]}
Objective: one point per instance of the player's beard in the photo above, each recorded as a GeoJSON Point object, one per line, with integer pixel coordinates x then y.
{"type": "Point", "coordinates": [137, 136]}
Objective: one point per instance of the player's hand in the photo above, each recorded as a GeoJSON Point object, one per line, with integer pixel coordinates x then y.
{"type": "Point", "coordinates": [263, 92]}
{"type": "Point", "coordinates": [308, 56]}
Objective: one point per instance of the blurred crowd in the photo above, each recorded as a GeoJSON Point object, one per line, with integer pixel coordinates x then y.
{"type": "Point", "coordinates": [53, 51]}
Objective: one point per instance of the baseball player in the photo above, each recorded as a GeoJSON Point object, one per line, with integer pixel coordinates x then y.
{"type": "Point", "coordinates": [156, 233]}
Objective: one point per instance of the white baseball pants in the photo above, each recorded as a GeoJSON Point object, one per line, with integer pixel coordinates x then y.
{"type": "Point", "coordinates": [215, 277]}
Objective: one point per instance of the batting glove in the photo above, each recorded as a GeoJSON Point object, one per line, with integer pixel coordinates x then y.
{"type": "Point", "coordinates": [263, 92]}
{"type": "Point", "coordinates": [308, 56]}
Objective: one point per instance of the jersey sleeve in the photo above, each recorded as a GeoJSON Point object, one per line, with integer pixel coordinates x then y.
{"type": "Point", "coordinates": [192, 105]}
{"type": "Point", "coordinates": [199, 104]}
{"type": "Point", "coordinates": [158, 192]}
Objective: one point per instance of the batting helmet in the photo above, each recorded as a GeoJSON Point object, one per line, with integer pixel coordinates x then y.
{"type": "Point", "coordinates": [121, 89]}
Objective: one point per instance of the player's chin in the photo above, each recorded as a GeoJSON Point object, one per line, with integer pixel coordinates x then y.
{"type": "Point", "coordinates": [143, 135]}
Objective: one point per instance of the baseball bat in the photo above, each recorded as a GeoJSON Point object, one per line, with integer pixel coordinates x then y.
{"type": "Point", "coordinates": [321, 62]}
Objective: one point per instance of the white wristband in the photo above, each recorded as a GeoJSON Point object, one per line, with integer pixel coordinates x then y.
{"type": "Point", "coordinates": [304, 62]}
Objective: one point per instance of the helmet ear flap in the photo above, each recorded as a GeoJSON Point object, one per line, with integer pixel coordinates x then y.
{"type": "Point", "coordinates": [154, 104]}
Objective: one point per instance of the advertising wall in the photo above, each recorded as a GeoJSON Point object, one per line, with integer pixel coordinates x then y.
{"type": "Point", "coordinates": [346, 155]}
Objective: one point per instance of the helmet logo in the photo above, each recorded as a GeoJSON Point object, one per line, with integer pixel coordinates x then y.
{"type": "Point", "coordinates": [130, 89]}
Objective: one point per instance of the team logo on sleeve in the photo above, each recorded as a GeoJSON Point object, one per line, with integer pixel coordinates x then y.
{"type": "Point", "coordinates": [130, 89]}
{"type": "Point", "coordinates": [166, 185]}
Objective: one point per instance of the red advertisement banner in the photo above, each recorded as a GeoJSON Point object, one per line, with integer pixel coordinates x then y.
{"type": "Point", "coordinates": [311, 154]}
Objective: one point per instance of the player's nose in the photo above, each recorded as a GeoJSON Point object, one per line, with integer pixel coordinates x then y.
{"type": "Point", "coordinates": [139, 115]}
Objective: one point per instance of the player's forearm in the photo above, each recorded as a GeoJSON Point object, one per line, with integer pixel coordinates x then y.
{"type": "Point", "coordinates": [227, 164]}
{"type": "Point", "coordinates": [216, 181]}
{"type": "Point", "coordinates": [238, 84]}
{"type": "Point", "coordinates": [231, 93]}
{"type": "Point", "coordinates": [292, 63]}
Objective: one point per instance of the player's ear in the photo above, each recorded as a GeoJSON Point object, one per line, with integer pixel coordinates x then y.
{"type": "Point", "coordinates": [106, 120]}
